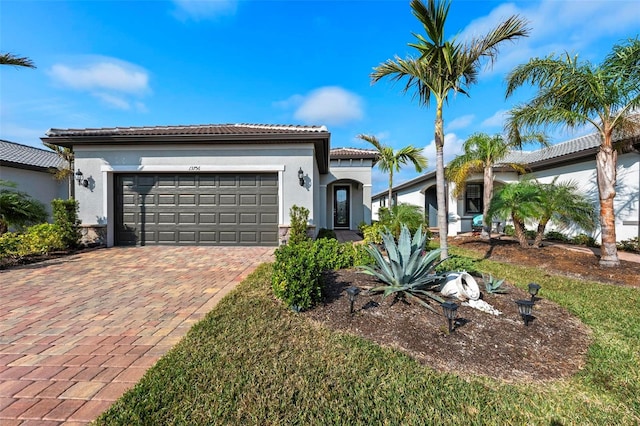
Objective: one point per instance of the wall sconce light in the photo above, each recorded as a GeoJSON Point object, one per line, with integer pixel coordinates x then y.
{"type": "Point", "coordinates": [533, 290]}
{"type": "Point", "coordinates": [524, 307]}
{"type": "Point", "coordinates": [301, 176]}
{"type": "Point", "coordinates": [353, 293]}
{"type": "Point", "coordinates": [81, 181]}
{"type": "Point", "coordinates": [450, 312]}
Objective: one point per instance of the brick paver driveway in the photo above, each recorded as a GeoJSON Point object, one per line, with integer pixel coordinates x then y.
{"type": "Point", "coordinates": [76, 332]}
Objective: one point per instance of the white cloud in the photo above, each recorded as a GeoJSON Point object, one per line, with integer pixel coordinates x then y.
{"type": "Point", "coordinates": [106, 74]}
{"type": "Point", "coordinates": [113, 100]}
{"type": "Point", "coordinates": [329, 105]}
{"type": "Point", "coordinates": [452, 148]}
{"type": "Point", "coordinates": [496, 120]}
{"type": "Point", "coordinates": [460, 122]}
{"type": "Point", "coordinates": [204, 9]}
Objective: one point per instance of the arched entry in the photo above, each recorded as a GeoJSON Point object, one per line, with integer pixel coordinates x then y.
{"type": "Point", "coordinates": [431, 207]}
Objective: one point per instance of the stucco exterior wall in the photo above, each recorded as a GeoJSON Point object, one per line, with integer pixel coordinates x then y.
{"type": "Point", "coordinates": [41, 185]}
{"type": "Point", "coordinates": [356, 174]}
{"type": "Point", "coordinates": [99, 163]}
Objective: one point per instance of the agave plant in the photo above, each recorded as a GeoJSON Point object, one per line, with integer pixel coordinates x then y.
{"type": "Point", "coordinates": [408, 271]}
{"type": "Point", "coordinates": [493, 285]}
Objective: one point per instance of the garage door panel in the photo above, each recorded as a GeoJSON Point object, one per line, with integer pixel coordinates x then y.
{"type": "Point", "coordinates": [210, 209]}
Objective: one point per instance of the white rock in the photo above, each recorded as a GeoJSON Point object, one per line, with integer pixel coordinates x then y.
{"type": "Point", "coordinates": [483, 306]}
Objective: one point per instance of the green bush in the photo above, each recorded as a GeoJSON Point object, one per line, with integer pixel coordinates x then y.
{"type": "Point", "coordinates": [403, 214]}
{"type": "Point", "coordinates": [556, 236]}
{"type": "Point", "coordinates": [299, 217]}
{"type": "Point", "coordinates": [584, 240]}
{"type": "Point", "coordinates": [530, 234]}
{"type": "Point", "coordinates": [296, 275]}
{"type": "Point", "coordinates": [9, 244]}
{"type": "Point", "coordinates": [509, 230]}
{"type": "Point", "coordinates": [65, 215]}
{"type": "Point", "coordinates": [41, 239]}
{"type": "Point", "coordinates": [326, 233]}
{"type": "Point", "coordinates": [631, 245]}
{"type": "Point", "coordinates": [18, 209]}
{"type": "Point", "coordinates": [373, 233]}
{"type": "Point", "coordinates": [458, 264]}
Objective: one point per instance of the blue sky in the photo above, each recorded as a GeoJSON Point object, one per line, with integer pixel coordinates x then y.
{"type": "Point", "coordinates": [147, 63]}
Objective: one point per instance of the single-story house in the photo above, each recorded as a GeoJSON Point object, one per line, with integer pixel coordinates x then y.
{"type": "Point", "coordinates": [573, 160]}
{"type": "Point", "coordinates": [219, 184]}
{"type": "Point", "coordinates": [32, 170]}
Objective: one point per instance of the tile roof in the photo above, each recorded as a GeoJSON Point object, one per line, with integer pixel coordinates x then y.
{"type": "Point", "coordinates": [11, 152]}
{"type": "Point", "coordinates": [572, 147]}
{"type": "Point", "coordinates": [353, 153]}
{"type": "Point", "coordinates": [206, 129]}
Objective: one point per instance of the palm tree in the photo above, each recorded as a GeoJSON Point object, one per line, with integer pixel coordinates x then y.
{"type": "Point", "coordinates": [562, 203]}
{"type": "Point", "coordinates": [65, 172]}
{"type": "Point", "coordinates": [522, 201]}
{"type": "Point", "coordinates": [18, 208]}
{"type": "Point", "coordinates": [442, 67]}
{"type": "Point", "coordinates": [481, 153]}
{"type": "Point", "coordinates": [11, 59]}
{"type": "Point", "coordinates": [575, 94]}
{"type": "Point", "coordinates": [390, 160]}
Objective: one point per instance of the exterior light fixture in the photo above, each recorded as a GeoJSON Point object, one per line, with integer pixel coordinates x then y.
{"type": "Point", "coordinates": [450, 310]}
{"type": "Point", "coordinates": [352, 292]}
{"type": "Point", "coordinates": [533, 290]}
{"type": "Point", "coordinates": [81, 181]}
{"type": "Point", "coordinates": [525, 307]}
{"type": "Point", "coordinates": [301, 177]}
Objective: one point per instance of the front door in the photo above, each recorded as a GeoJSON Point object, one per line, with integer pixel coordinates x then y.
{"type": "Point", "coordinates": [341, 207]}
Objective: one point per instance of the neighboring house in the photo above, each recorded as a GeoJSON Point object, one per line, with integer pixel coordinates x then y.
{"type": "Point", "coordinates": [31, 169]}
{"type": "Point", "coordinates": [572, 160]}
{"type": "Point", "coordinates": [227, 184]}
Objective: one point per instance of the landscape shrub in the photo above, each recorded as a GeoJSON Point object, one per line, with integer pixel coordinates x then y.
{"type": "Point", "coordinates": [298, 219]}
{"type": "Point", "coordinates": [584, 240]}
{"type": "Point", "coordinates": [556, 236]}
{"type": "Point", "coordinates": [509, 230]}
{"type": "Point", "coordinates": [631, 245]}
{"type": "Point", "coordinates": [65, 215]}
{"type": "Point", "coordinates": [373, 233]}
{"type": "Point", "coordinates": [18, 209]}
{"type": "Point", "coordinates": [9, 244]}
{"type": "Point", "coordinates": [41, 239]}
{"type": "Point", "coordinates": [408, 215]}
{"type": "Point", "coordinates": [458, 264]}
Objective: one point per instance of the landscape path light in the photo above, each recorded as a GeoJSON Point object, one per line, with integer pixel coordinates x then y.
{"type": "Point", "coordinates": [533, 290]}
{"type": "Point", "coordinates": [450, 310]}
{"type": "Point", "coordinates": [525, 307]}
{"type": "Point", "coordinates": [352, 292]}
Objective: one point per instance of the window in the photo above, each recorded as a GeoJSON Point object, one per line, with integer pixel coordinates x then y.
{"type": "Point", "coordinates": [473, 198]}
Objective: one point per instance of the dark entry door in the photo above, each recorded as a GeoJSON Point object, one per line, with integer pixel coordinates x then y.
{"type": "Point", "coordinates": [341, 207]}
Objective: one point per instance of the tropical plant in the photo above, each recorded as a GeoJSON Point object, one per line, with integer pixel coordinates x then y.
{"type": "Point", "coordinates": [565, 206]}
{"type": "Point", "coordinates": [457, 263]}
{"type": "Point", "coordinates": [390, 160]}
{"type": "Point", "coordinates": [65, 215]}
{"type": "Point", "coordinates": [18, 208]}
{"type": "Point", "coordinates": [575, 94]}
{"type": "Point", "coordinates": [493, 285]}
{"type": "Point", "coordinates": [66, 172]}
{"type": "Point", "coordinates": [443, 67]}
{"type": "Point", "coordinates": [521, 201]}
{"type": "Point", "coordinates": [298, 217]}
{"type": "Point", "coordinates": [11, 59]}
{"type": "Point", "coordinates": [409, 271]}
{"type": "Point", "coordinates": [408, 215]}
{"type": "Point", "coordinates": [481, 153]}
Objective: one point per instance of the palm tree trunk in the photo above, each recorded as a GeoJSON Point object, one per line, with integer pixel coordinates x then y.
{"type": "Point", "coordinates": [540, 232]}
{"type": "Point", "coordinates": [486, 200]}
{"type": "Point", "coordinates": [606, 169]}
{"type": "Point", "coordinates": [518, 228]}
{"type": "Point", "coordinates": [440, 187]}
{"type": "Point", "coordinates": [390, 188]}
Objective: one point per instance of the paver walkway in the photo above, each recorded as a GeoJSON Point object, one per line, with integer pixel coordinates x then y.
{"type": "Point", "coordinates": [76, 332]}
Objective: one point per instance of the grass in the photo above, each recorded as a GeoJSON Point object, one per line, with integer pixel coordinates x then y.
{"type": "Point", "coordinates": [251, 361]}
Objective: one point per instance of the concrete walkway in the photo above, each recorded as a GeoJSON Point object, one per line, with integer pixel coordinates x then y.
{"type": "Point", "coordinates": [77, 332]}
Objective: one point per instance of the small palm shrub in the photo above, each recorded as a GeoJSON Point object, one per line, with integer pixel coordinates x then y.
{"type": "Point", "coordinates": [408, 215]}
{"type": "Point", "coordinates": [409, 271]}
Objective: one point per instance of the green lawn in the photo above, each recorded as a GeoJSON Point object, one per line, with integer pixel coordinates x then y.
{"type": "Point", "coordinates": [251, 361]}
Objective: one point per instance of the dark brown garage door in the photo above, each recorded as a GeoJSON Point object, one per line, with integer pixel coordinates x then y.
{"type": "Point", "coordinates": [196, 209]}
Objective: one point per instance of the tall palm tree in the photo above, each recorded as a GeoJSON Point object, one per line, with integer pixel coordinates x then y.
{"type": "Point", "coordinates": [574, 94]}
{"type": "Point", "coordinates": [481, 153]}
{"type": "Point", "coordinates": [66, 172]}
{"type": "Point", "coordinates": [443, 67]}
{"type": "Point", "coordinates": [390, 161]}
{"type": "Point", "coordinates": [11, 59]}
